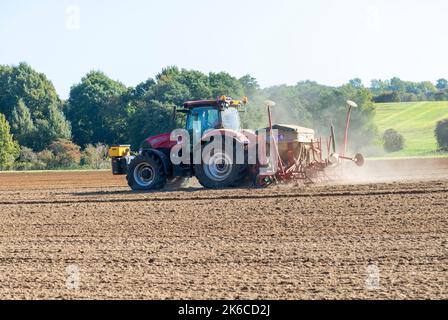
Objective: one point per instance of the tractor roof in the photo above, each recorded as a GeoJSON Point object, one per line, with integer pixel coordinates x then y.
{"type": "Point", "coordinates": [220, 102]}
{"type": "Point", "coordinates": [201, 103]}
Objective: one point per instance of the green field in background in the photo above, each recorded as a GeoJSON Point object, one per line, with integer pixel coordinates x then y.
{"type": "Point", "coordinates": [416, 121]}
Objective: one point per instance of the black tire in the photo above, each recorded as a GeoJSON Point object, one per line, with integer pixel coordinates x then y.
{"type": "Point", "coordinates": [146, 173]}
{"type": "Point", "coordinates": [235, 176]}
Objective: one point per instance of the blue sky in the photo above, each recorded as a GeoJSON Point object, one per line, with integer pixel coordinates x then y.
{"type": "Point", "coordinates": [282, 41]}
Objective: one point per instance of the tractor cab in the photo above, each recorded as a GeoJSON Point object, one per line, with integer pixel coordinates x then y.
{"type": "Point", "coordinates": [206, 115]}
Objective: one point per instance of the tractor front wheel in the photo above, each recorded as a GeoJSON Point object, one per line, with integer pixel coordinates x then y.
{"type": "Point", "coordinates": [146, 173]}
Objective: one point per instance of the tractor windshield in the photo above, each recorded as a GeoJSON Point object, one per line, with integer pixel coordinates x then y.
{"type": "Point", "coordinates": [206, 118]}
{"type": "Point", "coordinates": [231, 119]}
{"type": "Point", "coordinates": [203, 119]}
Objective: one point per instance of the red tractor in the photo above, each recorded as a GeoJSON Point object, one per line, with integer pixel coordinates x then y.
{"type": "Point", "coordinates": [291, 152]}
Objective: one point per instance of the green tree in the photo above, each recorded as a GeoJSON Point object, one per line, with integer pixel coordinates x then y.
{"type": "Point", "coordinates": [397, 90]}
{"type": "Point", "coordinates": [22, 126]}
{"type": "Point", "coordinates": [396, 84]}
{"type": "Point", "coordinates": [150, 118]}
{"type": "Point", "coordinates": [28, 160]}
{"type": "Point", "coordinates": [60, 127]}
{"type": "Point", "coordinates": [441, 133]}
{"type": "Point", "coordinates": [140, 91]}
{"type": "Point", "coordinates": [23, 83]}
{"type": "Point", "coordinates": [289, 108]}
{"type": "Point", "coordinates": [9, 149]}
{"type": "Point", "coordinates": [377, 86]}
{"type": "Point", "coordinates": [426, 88]}
{"type": "Point", "coordinates": [95, 109]}
{"type": "Point", "coordinates": [32, 106]}
{"type": "Point", "coordinates": [223, 83]}
{"type": "Point", "coordinates": [312, 105]}
{"type": "Point", "coordinates": [393, 141]}
{"type": "Point", "coordinates": [250, 86]}
{"type": "Point", "coordinates": [65, 154]}
{"type": "Point", "coordinates": [357, 83]}
{"type": "Point", "coordinates": [176, 86]}
{"type": "Point", "coordinates": [168, 89]}
{"type": "Point", "coordinates": [197, 84]}
{"type": "Point", "coordinates": [387, 96]}
{"type": "Point", "coordinates": [441, 95]}
{"type": "Point", "coordinates": [442, 84]}
{"type": "Point", "coordinates": [328, 107]}
{"type": "Point", "coordinates": [45, 159]}
{"type": "Point", "coordinates": [53, 127]}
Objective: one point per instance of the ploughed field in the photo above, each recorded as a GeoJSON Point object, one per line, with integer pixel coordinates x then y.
{"type": "Point", "coordinates": [85, 235]}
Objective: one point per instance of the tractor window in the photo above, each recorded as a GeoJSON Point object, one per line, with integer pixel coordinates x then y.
{"type": "Point", "coordinates": [231, 119]}
{"type": "Point", "coordinates": [207, 118]}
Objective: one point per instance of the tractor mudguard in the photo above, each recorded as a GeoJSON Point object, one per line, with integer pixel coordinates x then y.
{"type": "Point", "coordinates": [167, 165]}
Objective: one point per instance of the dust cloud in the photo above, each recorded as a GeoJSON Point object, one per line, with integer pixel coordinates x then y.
{"type": "Point", "coordinates": [391, 170]}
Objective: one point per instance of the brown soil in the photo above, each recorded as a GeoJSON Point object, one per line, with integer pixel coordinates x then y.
{"type": "Point", "coordinates": [285, 242]}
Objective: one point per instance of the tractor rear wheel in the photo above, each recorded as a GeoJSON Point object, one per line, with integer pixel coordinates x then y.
{"type": "Point", "coordinates": [146, 172]}
{"type": "Point", "coordinates": [221, 172]}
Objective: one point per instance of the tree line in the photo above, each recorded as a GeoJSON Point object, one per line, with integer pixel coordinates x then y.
{"type": "Point", "coordinates": [37, 126]}
{"type": "Point", "coordinates": [397, 90]}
